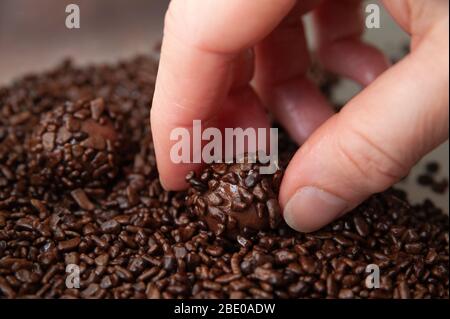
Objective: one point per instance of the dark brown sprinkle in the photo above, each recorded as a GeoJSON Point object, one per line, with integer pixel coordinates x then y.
{"type": "Point", "coordinates": [69, 244]}
{"type": "Point", "coordinates": [429, 178]}
{"type": "Point", "coordinates": [48, 141]}
{"type": "Point", "coordinates": [197, 184]}
{"type": "Point", "coordinates": [82, 199]}
{"type": "Point", "coordinates": [250, 180]}
{"type": "Point", "coordinates": [404, 290]}
{"type": "Point", "coordinates": [341, 240]}
{"type": "Point", "coordinates": [284, 257]}
{"type": "Point", "coordinates": [97, 108]}
{"type": "Point", "coordinates": [110, 227]}
{"type": "Point", "coordinates": [432, 167]}
{"type": "Point", "coordinates": [72, 258]}
{"type": "Point", "coordinates": [102, 260]}
{"type": "Point", "coordinates": [345, 294]}
{"type": "Point", "coordinates": [132, 239]}
{"type": "Point", "coordinates": [307, 264]}
{"type": "Point", "coordinates": [361, 226]}
{"type": "Point", "coordinates": [440, 187]}
{"type": "Point", "coordinates": [169, 263]}
{"type": "Point", "coordinates": [7, 172]}
{"type": "Point", "coordinates": [19, 118]}
{"type": "Point", "coordinates": [123, 273]}
{"type": "Point", "coordinates": [6, 289]}
{"type": "Point", "coordinates": [425, 180]}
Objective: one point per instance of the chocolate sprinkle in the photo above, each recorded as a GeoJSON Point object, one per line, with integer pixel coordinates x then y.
{"type": "Point", "coordinates": [68, 197]}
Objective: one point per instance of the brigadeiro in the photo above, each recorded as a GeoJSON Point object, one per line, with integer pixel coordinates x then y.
{"type": "Point", "coordinates": [236, 198]}
{"type": "Point", "coordinates": [75, 145]}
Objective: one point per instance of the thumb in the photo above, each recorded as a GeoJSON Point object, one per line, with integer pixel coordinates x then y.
{"type": "Point", "coordinates": [373, 141]}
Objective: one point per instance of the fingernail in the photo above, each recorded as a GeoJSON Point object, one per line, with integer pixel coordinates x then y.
{"type": "Point", "coordinates": [163, 185]}
{"type": "Point", "coordinates": [311, 208]}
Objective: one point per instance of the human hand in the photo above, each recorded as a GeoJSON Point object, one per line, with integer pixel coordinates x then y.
{"type": "Point", "coordinates": [212, 49]}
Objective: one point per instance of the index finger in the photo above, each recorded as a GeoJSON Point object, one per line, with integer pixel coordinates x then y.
{"type": "Point", "coordinates": [201, 41]}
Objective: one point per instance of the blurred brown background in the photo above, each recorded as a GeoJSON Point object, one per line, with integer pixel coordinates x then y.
{"type": "Point", "coordinates": [33, 37]}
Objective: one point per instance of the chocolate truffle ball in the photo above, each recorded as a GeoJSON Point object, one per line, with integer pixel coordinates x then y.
{"type": "Point", "coordinates": [235, 199]}
{"type": "Point", "coordinates": [75, 145]}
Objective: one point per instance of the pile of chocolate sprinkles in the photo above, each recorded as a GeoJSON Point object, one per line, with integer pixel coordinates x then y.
{"type": "Point", "coordinates": [132, 239]}
{"type": "Point", "coordinates": [429, 179]}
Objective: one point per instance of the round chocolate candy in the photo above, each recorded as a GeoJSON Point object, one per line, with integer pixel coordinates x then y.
{"type": "Point", "coordinates": [236, 198]}
{"type": "Point", "coordinates": [75, 145]}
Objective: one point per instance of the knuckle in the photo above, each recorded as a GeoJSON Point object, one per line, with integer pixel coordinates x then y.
{"type": "Point", "coordinates": [375, 167]}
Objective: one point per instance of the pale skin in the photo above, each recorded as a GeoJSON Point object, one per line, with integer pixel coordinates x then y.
{"type": "Point", "coordinates": [213, 49]}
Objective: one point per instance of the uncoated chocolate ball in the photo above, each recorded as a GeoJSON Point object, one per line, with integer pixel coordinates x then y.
{"type": "Point", "coordinates": [75, 145]}
{"type": "Point", "coordinates": [235, 199]}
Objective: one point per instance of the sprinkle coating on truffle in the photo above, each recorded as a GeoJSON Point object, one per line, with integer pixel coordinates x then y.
{"type": "Point", "coordinates": [234, 199]}
{"type": "Point", "coordinates": [75, 145]}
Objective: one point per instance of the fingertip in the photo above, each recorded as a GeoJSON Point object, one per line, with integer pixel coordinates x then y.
{"type": "Point", "coordinates": [171, 183]}
{"type": "Point", "coordinates": [311, 208]}
{"type": "Point", "coordinates": [163, 184]}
